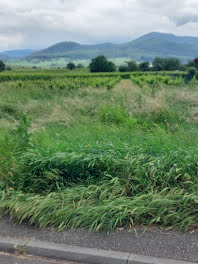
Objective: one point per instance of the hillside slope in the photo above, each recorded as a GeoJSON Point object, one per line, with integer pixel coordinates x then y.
{"type": "Point", "coordinates": [144, 48]}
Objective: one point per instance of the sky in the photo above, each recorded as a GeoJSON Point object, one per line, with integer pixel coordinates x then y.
{"type": "Point", "coordinates": [38, 24]}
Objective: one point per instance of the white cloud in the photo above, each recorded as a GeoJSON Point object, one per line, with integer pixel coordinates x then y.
{"type": "Point", "coordinates": [36, 24]}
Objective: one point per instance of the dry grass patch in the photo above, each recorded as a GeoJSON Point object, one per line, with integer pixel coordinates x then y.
{"type": "Point", "coordinates": [125, 85]}
{"type": "Point", "coordinates": [58, 115]}
{"type": "Point", "coordinates": [186, 96]}
{"type": "Point", "coordinates": [190, 99]}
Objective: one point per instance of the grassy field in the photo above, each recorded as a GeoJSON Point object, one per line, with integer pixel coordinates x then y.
{"type": "Point", "coordinates": [99, 152]}
{"type": "Point", "coordinates": [58, 62]}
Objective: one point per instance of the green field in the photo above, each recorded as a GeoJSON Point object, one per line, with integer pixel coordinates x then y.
{"type": "Point", "coordinates": [99, 151]}
{"type": "Point", "coordinates": [58, 62]}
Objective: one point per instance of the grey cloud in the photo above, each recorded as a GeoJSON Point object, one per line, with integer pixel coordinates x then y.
{"type": "Point", "coordinates": [181, 21]}
{"type": "Point", "coordinates": [36, 24]}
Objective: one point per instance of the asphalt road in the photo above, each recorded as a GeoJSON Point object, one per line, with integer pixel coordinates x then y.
{"type": "Point", "coordinates": [13, 259]}
{"type": "Point", "coordinates": [155, 242]}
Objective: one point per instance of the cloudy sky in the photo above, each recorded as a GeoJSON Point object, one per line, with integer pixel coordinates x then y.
{"type": "Point", "coordinates": [37, 24]}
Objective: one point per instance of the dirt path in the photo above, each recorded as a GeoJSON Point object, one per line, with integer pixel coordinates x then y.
{"type": "Point", "coordinates": [125, 85]}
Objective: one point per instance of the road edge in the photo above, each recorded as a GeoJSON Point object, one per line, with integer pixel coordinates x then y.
{"type": "Point", "coordinates": [78, 254]}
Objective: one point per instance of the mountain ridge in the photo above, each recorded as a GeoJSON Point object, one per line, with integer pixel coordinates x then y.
{"type": "Point", "coordinates": [146, 47]}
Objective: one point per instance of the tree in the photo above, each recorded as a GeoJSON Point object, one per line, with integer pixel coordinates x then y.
{"type": "Point", "coordinates": [190, 63]}
{"type": "Point", "coordinates": [166, 64]}
{"type": "Point", "coordinates": [8, 68]}
{"type": "Point", "coordinates": [101, 64]}
{"type": "Point", "coordinates": [196, 62]}
{"type": "Point", "coordinates": [158, 64]}
{"type": "Point", "coordinates": [123, 68]}
{"type": "Point", "coordinates": [172, 64]}
{"type": "Point", "coordinates": [2, 66]}
{"type": "Point", "coordinates": [183, 67]}
{"type": "Point", "coordinates": [191, 73]}
{"type": "Point", "coordinates": [144, 66]}
{"type": "Point", "coordinates": [80, 66]}
{"type": "Point", "coordinates": [71, 66]}
{"type": "Point", "coordinates": [132, 66]}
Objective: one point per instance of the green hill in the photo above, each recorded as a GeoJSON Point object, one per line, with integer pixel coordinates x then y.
{"type": "Point", "coordinates": [144, 48]}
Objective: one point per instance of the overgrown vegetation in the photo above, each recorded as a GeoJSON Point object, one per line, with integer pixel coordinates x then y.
{"type": "Point", "coordinates": [98, 151]}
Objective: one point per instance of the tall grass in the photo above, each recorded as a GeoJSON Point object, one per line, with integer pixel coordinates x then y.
{"type": "Point", "coordinates": [103, 207]}
{"type": "Point", "coordinates": [98, 158]}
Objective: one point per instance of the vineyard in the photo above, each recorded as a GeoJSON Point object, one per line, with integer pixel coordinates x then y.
{"type": "Point", "coordinates": [69, 83]}
{"type": "Point", "coordinates": [157, 80]}
{"type": "Point", "coordinates": [61, 74]}
{"type": "Point", "coordinates": [99, 151]}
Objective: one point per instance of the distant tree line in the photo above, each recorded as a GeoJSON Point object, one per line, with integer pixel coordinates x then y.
{"type": "Point", "coordinates": [3, 67]}
{"type": "Point", "coordinates": [72, 66]}
{"type": "Point", "coordinates": [192, 70]}
{"type": "Point", "coordinates": [101, 64]}
{"type": "Point", "coordinates": [158, 64]}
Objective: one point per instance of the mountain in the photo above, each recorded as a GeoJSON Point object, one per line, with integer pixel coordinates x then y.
{"type": "Point", "coordinates": [3, 56]}
{"type": "Point", "coordinates": [73, 50]}
{"type": "Point", "coordinates": [13, 54]}
{"type": "Point", "coordinates": [145, 48]}
{"type": "Point", "coordinates": [165, 45]}
{"type": "Point", "coordinates": [170, 37]}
